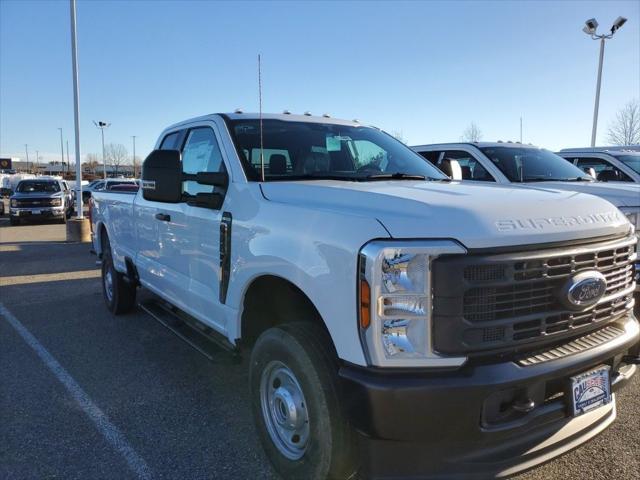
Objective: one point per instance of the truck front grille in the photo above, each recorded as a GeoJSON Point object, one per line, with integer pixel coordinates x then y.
{"type": "Point", "coordinates": [35, 202]}
{"type": "Point", "coordinates": [501, 301]}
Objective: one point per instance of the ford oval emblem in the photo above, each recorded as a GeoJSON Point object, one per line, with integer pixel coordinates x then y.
{"type": "Point", "coordinates": [583, 290]}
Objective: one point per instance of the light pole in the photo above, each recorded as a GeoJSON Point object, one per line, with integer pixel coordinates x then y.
{"type": "Point", "coordinates": [37, 160]}
{"type": "Point", "coordinates": [102, 125]}
{"type": "Point", "coordinates": [26, 150]}
{"type": "Point", "coordinates": [68, 166]}
{"type": "Point", "coordinates": [134, 155]}
{"type": "Point", "coordinates": [61, 150]}
{"type": "Point", "coordinates": [76, 108]}
{"type": "Point", "coordinates": [590, 28]}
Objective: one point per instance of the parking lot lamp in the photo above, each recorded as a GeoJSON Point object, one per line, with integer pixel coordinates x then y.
{"type": "Point", "coordinates": [61, 150]}
{"type": "Point", "coordinates": [134, 155]}
{"type": "Point", "coordinates": [590, 28]}
{"type": "Point", "coordinates": [26, 151]}
{"type": "Point", "coordinates": [102, 125]}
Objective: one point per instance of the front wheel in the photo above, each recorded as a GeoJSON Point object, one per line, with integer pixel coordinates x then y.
{"type": "Point", "coordinates": [296, 406]}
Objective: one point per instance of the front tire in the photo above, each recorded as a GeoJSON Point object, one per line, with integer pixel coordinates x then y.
{"type": "Point", "coordinates": [296, 406]}
{"type": "Point", "coordinates": [119, 295]}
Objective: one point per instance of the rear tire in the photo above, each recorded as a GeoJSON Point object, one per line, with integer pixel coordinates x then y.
{"type": "Point", "coordinates": [296, 405]}
{"type": "Point", "coordinates": [14, 221]}
{"type": "Point", "coordinates": [119, 295]}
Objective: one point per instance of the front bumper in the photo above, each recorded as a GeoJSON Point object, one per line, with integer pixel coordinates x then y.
{"type": "Point", "coordinates": [462, 424]}
{"type": "Point", "coordinates": [35, 213]}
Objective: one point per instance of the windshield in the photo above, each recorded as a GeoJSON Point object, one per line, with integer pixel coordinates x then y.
{"type": "Point", "coordinates": [34, 186]}
{"type": "Point", "coordinates": [305, 150]}
{"type": "Point", "coordinates": [631, 161]}
{"type": "Point", "coordinates": [532, 165]}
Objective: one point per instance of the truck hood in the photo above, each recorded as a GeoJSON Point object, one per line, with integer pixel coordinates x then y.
{"type": "Point", "coordinates": [619, 195]}
{"type": "Point", "coordinates": [478, 216]}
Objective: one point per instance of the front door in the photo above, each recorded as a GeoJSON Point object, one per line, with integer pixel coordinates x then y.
{"type": "Point", "coordinates": [190, 240]}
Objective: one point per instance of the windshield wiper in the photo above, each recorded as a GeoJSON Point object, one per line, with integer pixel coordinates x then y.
{"type": "Point", "coordinates": [573, 179]}
{"type": "Point", "coordinates": [397, 176]}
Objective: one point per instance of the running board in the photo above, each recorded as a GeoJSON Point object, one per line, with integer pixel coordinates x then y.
{"type": "Point", "coordinates": [197, 335]}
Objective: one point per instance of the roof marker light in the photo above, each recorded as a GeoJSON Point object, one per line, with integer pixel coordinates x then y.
{"type": "Point", "coordinates": [286, 112]}
{"type": "Point", "coordinates": [238, 110]}
{"type": "Point", "coordinates": [307, 113]}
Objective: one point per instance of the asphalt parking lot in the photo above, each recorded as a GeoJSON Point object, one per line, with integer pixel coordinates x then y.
{"type": "Point", "coordinates": [85, 395]}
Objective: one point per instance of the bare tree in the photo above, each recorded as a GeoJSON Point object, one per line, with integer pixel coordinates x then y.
{"type": "Point", "coordinates": [625, 129]}
{"type": "Point", "coordinates": [472, 133]}
{"type": "Point", "coordinates": [116, 154]}
{"type": "Point", "coordinates": [91, 161]}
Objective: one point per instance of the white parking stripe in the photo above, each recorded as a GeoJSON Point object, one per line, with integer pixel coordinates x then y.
{"type": "Point", "coordinates": [109, 431]}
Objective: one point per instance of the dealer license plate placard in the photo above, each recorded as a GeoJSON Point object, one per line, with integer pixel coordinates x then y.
{"type": "Point", "coordinates": [590, 390]}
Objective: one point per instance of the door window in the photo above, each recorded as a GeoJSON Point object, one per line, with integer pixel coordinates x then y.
{"type": "Point", "coordinates": [472, 169]}
{"type": "Point", "coordinates": [201, 153]}
{"type": "Point", "coordinates": [170, 142]}
{"type": "Point", "coordinates": [604, 170]}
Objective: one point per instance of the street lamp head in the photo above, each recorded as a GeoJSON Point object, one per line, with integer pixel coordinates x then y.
{"type": "Point", "coordinates": [617, 24]}
{"type": "Point", "coordinates": [590, 26]}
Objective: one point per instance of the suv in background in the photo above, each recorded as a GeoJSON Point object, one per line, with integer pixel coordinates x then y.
{"type": "Point", "coordinates": [41, 198]}
{"type": "Point", "coordinates": [611, 164]}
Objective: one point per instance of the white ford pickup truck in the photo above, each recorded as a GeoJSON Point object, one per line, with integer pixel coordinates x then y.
{"type": "Point", "coordinates": [399, 324]}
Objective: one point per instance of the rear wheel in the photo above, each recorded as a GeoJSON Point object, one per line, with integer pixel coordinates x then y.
{"type": "Point", "coordinates": [14, 221]}
{"type": "Point", "coordinates": [296, 407]}
{"type": "Point", "coordinates": [119, 295]}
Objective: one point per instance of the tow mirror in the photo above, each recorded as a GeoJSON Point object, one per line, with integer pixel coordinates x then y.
{"type": "Point", "coordinates": [216, 179]}
{"type": "Point", "coordinates": [451, 167]}
{"type": "Point", "coordinates": [162, 176]}
{"type": "Point", "coordinates": [456, 170]}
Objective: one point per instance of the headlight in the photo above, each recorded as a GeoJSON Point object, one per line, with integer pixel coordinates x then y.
{"type": "Point", "coordinates": [56, 202]}
{"type": "Point", "coordinates": [395, 303]}
{"type": "Point", "coordinates": [633, 215]}
{"type": "Point", "coordinates": [14, 202]}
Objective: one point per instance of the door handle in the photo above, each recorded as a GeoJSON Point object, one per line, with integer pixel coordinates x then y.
{"type": "Point", "coordinates": [163, 217]}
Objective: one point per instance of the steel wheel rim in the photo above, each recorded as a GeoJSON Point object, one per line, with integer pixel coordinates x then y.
{"type": "Point", "coordinates": [108, 284]}
{"type": "Point", "coordinates": [284, 410]}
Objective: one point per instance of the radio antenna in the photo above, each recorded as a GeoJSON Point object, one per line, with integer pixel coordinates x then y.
{"type": "Point", "coordinates": [260, 109]}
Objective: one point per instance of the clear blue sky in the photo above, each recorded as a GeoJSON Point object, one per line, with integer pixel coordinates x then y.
{"type": "Point", "coordinates": [426, 69]}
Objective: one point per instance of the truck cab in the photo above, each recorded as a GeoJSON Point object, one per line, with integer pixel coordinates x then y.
{"type": "Point", "coordinates": [41, 198]}
{"type": "Point", "coordinates": [611, 164]}
{"type": "Point", "coordinates": [376, 300]}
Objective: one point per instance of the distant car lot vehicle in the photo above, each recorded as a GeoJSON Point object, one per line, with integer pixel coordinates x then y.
{"type": "Point", "coordinates": [401, 324]}
{"type": "Point", "coordinates": [40, 198]}
{"type": "Point", "coordinates": [611, 164]}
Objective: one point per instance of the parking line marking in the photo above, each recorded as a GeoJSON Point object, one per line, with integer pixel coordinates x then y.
{"type": "Point", "coordinates": [48, 277]}
{"type": "Point", "coordinates": [108, 430]}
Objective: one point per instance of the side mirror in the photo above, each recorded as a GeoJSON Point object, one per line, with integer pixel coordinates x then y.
{"type": "Point", "coordinates": [456, 170]}
{"type": "Point", "coordinates": [451, 167]}
{"type": "Point", "coordinates": [162, 176]}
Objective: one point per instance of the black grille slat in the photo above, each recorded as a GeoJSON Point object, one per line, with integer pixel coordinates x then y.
{"type": "Point", "coordinates": [494, 302]}
{"type": "Point", "coordinates": [35, 202]}
{"type": "Point", "coordinates": [577, 345]}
